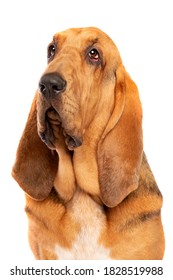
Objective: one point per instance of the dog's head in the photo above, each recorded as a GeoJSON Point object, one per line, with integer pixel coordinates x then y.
{"type": "Point", "coordinates": [87, 103]}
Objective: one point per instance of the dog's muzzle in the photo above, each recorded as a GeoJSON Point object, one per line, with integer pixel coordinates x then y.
{"type": "Point", "coordinates": [50, 124]}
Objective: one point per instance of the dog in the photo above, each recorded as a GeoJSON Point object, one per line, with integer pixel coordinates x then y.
{"type": "Point", "coordinates": [90, 193]}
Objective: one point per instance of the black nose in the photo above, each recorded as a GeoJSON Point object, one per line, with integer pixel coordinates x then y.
{"type": "Point", "coordinates": [51, 84]}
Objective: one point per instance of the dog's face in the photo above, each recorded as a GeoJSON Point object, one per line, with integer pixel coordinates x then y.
{"type": "Point", "coordinates": [77, 86]}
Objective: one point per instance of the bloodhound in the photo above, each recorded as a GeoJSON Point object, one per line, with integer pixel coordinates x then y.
{"type": "Point", "coordinates": [90, 193]}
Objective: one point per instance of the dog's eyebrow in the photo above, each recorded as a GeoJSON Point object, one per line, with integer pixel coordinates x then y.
{"type": "Point", "coordinates": [93, 41]}
{"type": "Point", "coordinates": [54, 38]}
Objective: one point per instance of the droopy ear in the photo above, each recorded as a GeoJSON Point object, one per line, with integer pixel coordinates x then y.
{"type": "Point", "coordinates": [35, 166]}
{"type": "Point", "coordinates": [119, 151]}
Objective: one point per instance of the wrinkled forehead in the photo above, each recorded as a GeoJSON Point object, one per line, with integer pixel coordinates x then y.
{"type": "Point", "coordinates": [81, 37]}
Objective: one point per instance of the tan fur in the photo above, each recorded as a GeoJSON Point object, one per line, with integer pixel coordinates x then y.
{"type": "Point", "coordinates": [95, 196]}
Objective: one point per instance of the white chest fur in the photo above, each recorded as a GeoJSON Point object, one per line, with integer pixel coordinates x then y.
{"type": "Point", "coordinates": [92, 221]}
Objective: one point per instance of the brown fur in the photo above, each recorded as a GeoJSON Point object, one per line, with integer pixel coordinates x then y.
{"type": "Point", "coordinates": [108, 171]}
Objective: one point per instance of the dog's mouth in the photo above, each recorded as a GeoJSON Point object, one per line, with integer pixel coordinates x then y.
{"type": "Point", "coordinates": [53, 132]}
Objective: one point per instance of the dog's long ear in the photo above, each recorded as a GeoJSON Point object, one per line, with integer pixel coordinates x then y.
{"type": "Point", "coordinates": [35, 166]}
{"type": "Point", "coordinates": [119, 151]}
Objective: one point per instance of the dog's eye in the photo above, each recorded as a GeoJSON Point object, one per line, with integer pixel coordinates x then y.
{"type": "Point", "coordinates": [94, 55]}
{"type": "Point", "coordinates": [51, 51]}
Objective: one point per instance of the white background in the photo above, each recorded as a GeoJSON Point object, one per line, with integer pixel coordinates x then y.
{"type": "Point", "coordinates": [143, 33]}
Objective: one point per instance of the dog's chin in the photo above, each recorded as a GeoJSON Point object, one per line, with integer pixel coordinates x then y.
{"type": "Point", "coordinates": [54, 131]}
{"type": "Point", "coordinates": [72, 142]}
